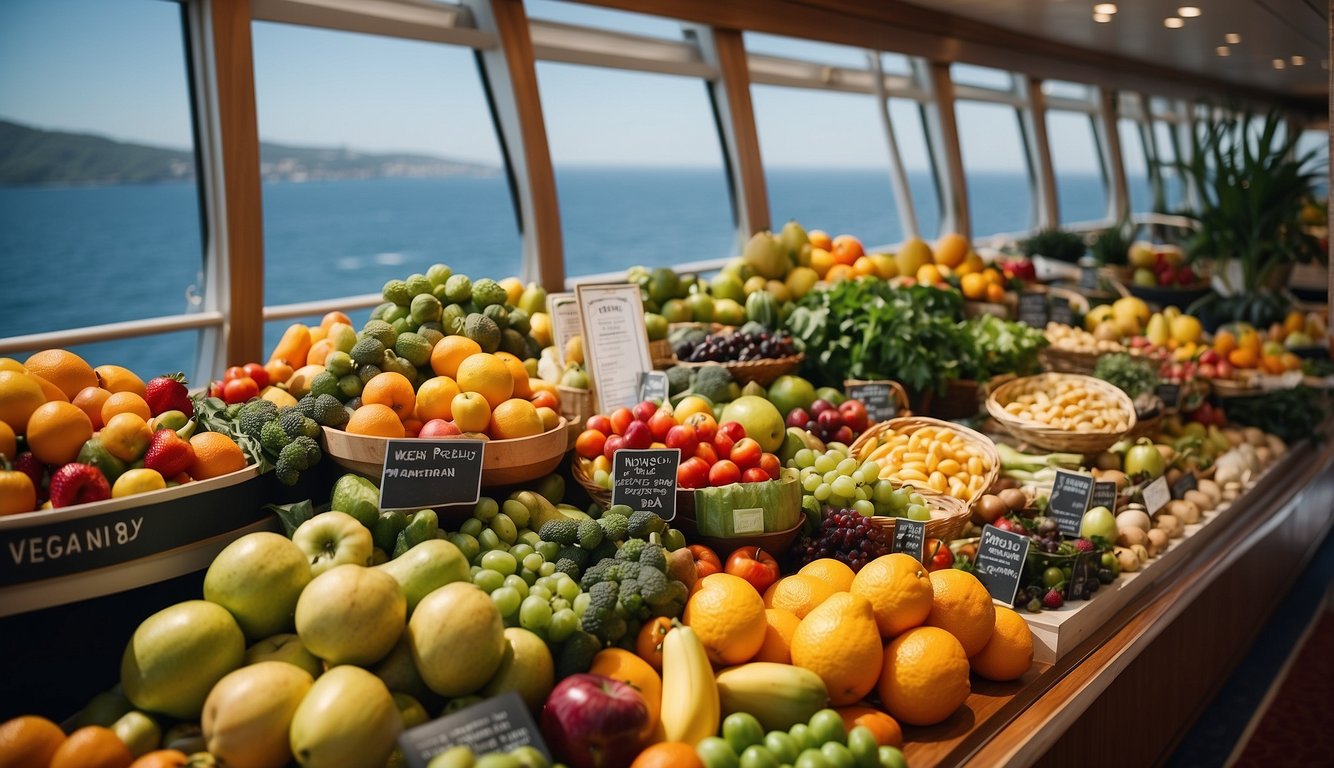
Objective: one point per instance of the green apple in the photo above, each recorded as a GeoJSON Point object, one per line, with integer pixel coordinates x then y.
{"type": "Point", "coordinates": [830, 395]}
{"type": "Point", "coordinates": [258, 578]}
{"type": "Point", "coordinates": [103, 709]}
{"type": "Point", "coordinates": [248, 715]}
{"type": "Point", "coordinates": [457, 638]}
{"type": "Point", "coordinates": [1098, 521]}
{"type": "Point", "coordinates": [285, 647]}
{"type": "Point", "coordinates": [789, 392]}
{"type": "Point", "coordinates": [177, 654]}
{"type": "Point", "coordinates": [333, 538]}
{"type": "Point", "coordinates": [762, 421]}
{"type": "Point", "coordinates": [96, 454]}
{"type": "Point", "coordinates": [526, 668]}
{"type": "Point", "coordinates": [351, 614]}
{"type": "Point", "coordinates": [425, 568]}
{"type": "Point", "coordinates": [138, 732]}
{"type": "Point", "coordinates": [399, 673]}
{"type": "Point", "coordinates": [1144, 277]}
{"type": "Point", "coordinates": [347, 719]}
{"type": "Point", "coordinates": [411, 710]}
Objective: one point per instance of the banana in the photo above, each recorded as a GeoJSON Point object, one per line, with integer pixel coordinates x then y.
{"type": "Point", "coordinates": [690, 708]}
{"type": "Point", "coordinates": [778, 695]}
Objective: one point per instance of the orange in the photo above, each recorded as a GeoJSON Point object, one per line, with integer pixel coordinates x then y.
{"type": "Point", "coordinates": [821, 260]}
{"type": "Point", "coordinates": [974, 286]}
{"type": "Point", "coordinates": [215, 454]}
{"type": "Point", "coordinates": [728, 615]}
{"type": "Point", "coordinates": [20, 395]}
{"type": "Point", "coordinates": [434, 397]}
{"type": "Point", "coordinates": [1243, 358]}
{"type": "Point", "coordinates": [8, 442]}
{"type": "Point", "coordinates": [126, 436]}
{"type": "Point", "coordinates": [392, 389]}
{"type": "Point", "coordinates": [925, 676]}
{"type": "Point", "coordinates": [668, 754]}
{"type": "Point", "coordinates": [798, 593]}
{"type": "Point", "coordinates": [471, 412]}
{"type": "Point", "coordinates": [995, 293]}
{"type": "Point", "coordinates": [839, 642]}
{"type": "Point", "coordinates": [950, 249]}
{"type": "Point", "coordinates": [90, 400]}
{"type": "Point", "coordinates": [649, 642]}
{"type": "Point", "coordinates": [114, 378]}
{"type": "Point", "coordinates": [887, 731]}
{"type": "Point", "coordinates": [1291, 362]}
{"type": "Point", "coordinates": [125, 402]}
{"type": "Point", "coordinates": [819, 239]}
{"type": "Point", "coordinates": [961, 606]}
{"type": "Point", "coordinates": [863, 266]}
{"type": "Point", "coordinates": [29, 742]}
{"type": "Point", "coordinates": [1224, 342]}
{"type": "Point", "coordinates": [51, 392]}
{"type": "Point", "coordinates": [620, 664]}
{"type": "Point", "coordinates": [520, 374]}
{"type": "Point", "coordinates": [56, 432]}
{"type": "Point", "coordinates": [544, 398]}
{"type": "Point", "coordinates": [449, 352]}
{"type": "Point", "coordinates": [846, 249]}
{"type": "Point", "coordinates": [550, 418]}
{"type": "Point", "coordinates": [833, 572]}
{"type": "Point", "coordinates": [319, 351]}
{"type": "Point", "coordinates": [376, 420]}
{"type": "Point", "coordinates": [334, 317]}
{"type": "Point", "coordinates": [1009, 653]}
{"type": "Point", "coordinates": [17, 493]}
{"type": "Point", "coordinates": [63, 368]}
{"type": "Point", "coordinates": [928, 274]}
{"type": "Point", "coordinates": [92, 746]}
{"type": "Point", "coordinates": [10, 364]}
{"type": "Point", "coordinates": [899, 590]}
{"type": "Point", "coordinates": [486, 375]}
{"type": "Point", "coordinates": [513, 418]}
{"type": "Point", "coordinates": [838, 273]}
{"type": "Point", "coordinates": [162, 758]}
{"type": "Point", "coordinates": [781, 626]}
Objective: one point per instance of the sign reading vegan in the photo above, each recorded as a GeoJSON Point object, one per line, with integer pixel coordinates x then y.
{"type": "Point", "coordinates": [645, 480]}
{"type": "Point", "coordinates": [431, 473]}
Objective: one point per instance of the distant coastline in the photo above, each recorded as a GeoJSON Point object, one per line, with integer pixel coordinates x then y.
{"type": "Point", "coordinates": [34, 157]}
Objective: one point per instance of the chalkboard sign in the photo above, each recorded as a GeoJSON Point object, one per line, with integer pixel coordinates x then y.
{"type": "Point", "coordinates": [1033, 309]}
{"type": "Point", "coordinates": [1104, 495]}
{"type": "Point", "coordinates": [1089, 278]}
{"type": "Point", "coordinates": [497, 724]}
{"type": "Point", "coordinates": [653, 386]}
{"type": "Point", "coordinates": [1000, 562]}
{"type": "Point", "coordinates": [910, 537]}
{"type": "Point", "coordinates": [1187, 482]}
{"type": "Point", "coordinates": [431, 473]}
{"type": "Point", "coordinates": [877, 396]}
{"type": "Point", "coordinates": [1170, 394]}
{"type": "Point", "coordinates": [645, 480]}
{"type": "Point", "coordinates": [1070, 496]}
{"type": "Point", "coordinates": [1062, 313]}
{"type": "Point", "coordinates": [1156, 495]}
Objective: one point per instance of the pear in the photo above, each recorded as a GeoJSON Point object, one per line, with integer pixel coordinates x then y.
{"type": "Point", "coordinates": [1157, 331]}
{"type": "Point", "coordinates": [766, 255]}
{"type": "Point", "coordinates": [248, 714]}
{"type": "Point", "coordinates": [457, 638]}
{"type": "Point", "coordinates": [793, 237]}
{"type": "Point", "coordinates": [526, 668]}
{"type": "Point", "coordinates": [348, 719]}
{"type": "Point", "coordinates": [351, 614]}
{"type": "Point", "coordinates": [425, 568]}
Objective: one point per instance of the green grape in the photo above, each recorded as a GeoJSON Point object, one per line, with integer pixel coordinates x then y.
{"type": "Point", "coordinates": [918, 512]}
{"type": "Point", "coordinates": [517, 584]}
{"type": "Point", "coordinates": [858, 477]}
{"type": "Point", "coordinates": [548, 550]}
{"type": "Point", "coordinates": [822, 492]}
{"type": "Point", "coordinates": [546, 582]}
{"type": "Point", "coordinates": [500, 562]}
{"type": "Point", "coordinates": [916, 498]}
{"type": "Point", "coordinates": [489, 580]}
{"type": "Point", "coordinates": [563, 624]}
{"type": "Point", "coordinates": [520, 551]}
{"type": "Point", "coordinates": [580, 603]}
{"type": "Point", "coordinates": [507, 600]}
{"type": "Point", "coordinates": [488, 540]}
{"type": "Point", "coordinates": [473, 569]}
{"type": "Point", "coordinates": [534, 613]}
{"type": "Point", "coordinates": [547, 568]}
{"type": "Point", "coordinates": [847, 466]}
{"type": "Point", "coordinates": [532, 562]}
{"type": "Point", "coordinates": [825, 463]}
{"type": "Point", "coordinates": [486, 509]}
{"type": "Point", "coordinates": [559, 604]}
{"type": "Point", "coordinates": [838, 501]}
{"type": "Point", "coordinates": [811, 482]}
{"type": "Point", "coordinates": [883, 493]}
{"type": "Point", "coordinates": [472, 526]}
{"type": "Point", "coordinates": [899, 498]}
{"type": "Point", "coordinates": [528, 577]}
{"type": "Point", "coordinates": [567, 587]}
{"type": "Point", "coordinates": [505, 528]}
{"type": "Point", "coordinates": [530, 537]}
{"type": "Point", "coordinates": [838, 454]}
{"type": "Point", "coordinates": [804, 457]}
{"type": "Point", "coordinates": [863, 507]}
{"type": "Point", "coordinates": [861, 493]}
{"type": "Point", "coordinates": [871, 468]}
{"type": "Point", "coordinates": [843, 486]}
{"type": "Point", "coordinates": [539, 592]}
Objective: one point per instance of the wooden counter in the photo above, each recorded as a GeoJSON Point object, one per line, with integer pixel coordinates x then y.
{"type": "Point", "coordinates": [1129, 692]}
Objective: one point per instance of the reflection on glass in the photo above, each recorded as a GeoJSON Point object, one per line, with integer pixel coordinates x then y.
{"type": "Point", "coordinates": [603, 18]}
{"type": "Point", "coordinates": [806, 50]}
{"type": "Point", "coordinates": [1136, 164]}
{"type": "Point", "coordinates": [910, 131]}
{"type": "Point", "coordinates": [1081, 189]}
{"type": "Point", "coordinates": [981, 77]}
{"type": "Point", "coordinates": [999, 192]}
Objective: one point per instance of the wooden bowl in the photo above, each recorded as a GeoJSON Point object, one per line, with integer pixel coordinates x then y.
{"type": "Point", "coordinates": [504, 461]}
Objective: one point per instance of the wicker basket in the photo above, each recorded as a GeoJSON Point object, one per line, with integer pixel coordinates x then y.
{"type": "Point", "coordinates": [1061, 360]}
{"type": "Point", "coordinates": [1149, 426]}
{"type": "Point", "coordinates": [762, 372]}
{"type": "Point", "coordinates": [948, 517]}
{"type": "Point", "coordinates": [1245, 387]}
{"type": "Point", "coordinates": [864, 446]}
{"type": "Point", "coordinates": [582, 471]}
{"type": "Point", "coordinates": [576, 405]}
{"type": "Point", "coordinates": [1052, 438]}
{"type": "Point", "coordinates": [660, 352]}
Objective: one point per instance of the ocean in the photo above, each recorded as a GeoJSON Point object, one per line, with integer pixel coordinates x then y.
{"type": "Point", "coordinates": [79, 256]}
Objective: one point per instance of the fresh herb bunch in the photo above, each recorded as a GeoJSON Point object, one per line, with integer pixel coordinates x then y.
{"type": "Point", "coordinates": [1134, 376]}
{"type": "Point", "coordinates": [999, 346]}
{"type": "Point", "coordinates": [1112, 245]}
{"type": "Point", "coordinates": [1054, 244]}
{"type": "Point", "coordinates": [1292, 414]}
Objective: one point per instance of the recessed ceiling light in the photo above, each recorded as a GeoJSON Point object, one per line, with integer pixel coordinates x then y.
{"type": "Point", "coordinates": [1106, 9]}
{"type": "Point", "coordinates": [1280, 63]}
{"type": "Point", "coordinates": [1297, 61]}
{"type": "Point", "coordinates": [1102, 18]}
{"type": "Point", "coordinates": [1223, 50]}
{"type": "Point", "coordinates": [1232, 38]}
{"type": "Point", "coordinates": [1172, 22]}
{"type": "Point", "coordinates": [1188, 11]}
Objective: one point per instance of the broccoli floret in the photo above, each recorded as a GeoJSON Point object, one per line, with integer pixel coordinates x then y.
{"type": "Point", "coordinates": [641, 524]}
{"type": "Point", "coordinates": [296, 425]}
{"type": "Point", "coordinates": [568, 567]}
{"type": "Point", "coordinates": [312, 448]}
{"type": "Point", "coordinates": [594, 575]}
{"type": "Point", "coordinates": [273, 438]}
{"type": "Point", "coordinates": [575, 554]}
{"type": "Point", "coordinates": [254, 415]}
{"type": "Point", "coordinates": [629, 571]}
{"type": "Point", "coordinates": [602, 599]}
{"type": "Point", "coordinates": [325, 409]}
{"type": "Point", "coordinates": [631, 550]}
{"type": "Point", "coordinates": [630, 599]}
{"type": "Point", "coordinates": [614, 526]}
{"type": "Point", "coordinates": [713, 382]}
{"type": "Point", "coordinates": [606, 550]}
{"type": "Point", "coordinates": [655, 587]}
{"type": "Point", "coordinates": [654, 556]}
{"type": "Point", "coordinates": [559, 531]}
{"type": "Point", "coordinates": [590, 534]}
{"type": "Point", "coordinates": [678, 379]}
{"type": "Point", "coordinates": [615, 628]}
{"type": "Point", "coordinates": [292, 460]}
{"type": "Point", "coordinates": [576, 654]}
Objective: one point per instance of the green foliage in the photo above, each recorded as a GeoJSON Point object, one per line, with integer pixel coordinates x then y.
{"type": "Point", "coordinates": [1132, 375]}
{"type": "Point", "coordinates": [1055, 244]}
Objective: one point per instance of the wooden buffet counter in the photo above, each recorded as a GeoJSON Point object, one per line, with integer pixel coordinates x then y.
{"type": "Point", "coordinates": [1132, 688]}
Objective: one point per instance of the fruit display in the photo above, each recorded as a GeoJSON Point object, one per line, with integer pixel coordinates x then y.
{"type": "Point", "coordinates": [935, 456]}
{"type": "Point", "coordinates": [741, 347]}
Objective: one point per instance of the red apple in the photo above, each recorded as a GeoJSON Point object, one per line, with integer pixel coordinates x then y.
{"type": "Point", "coordinates": [638, 435]}
{"type": "Point", "coordinates": [692, 473]}
{"type": "Point", "coordinates": [754, 565]}
{"type": "Point", "coordinates": [620, 419]}
{"type": "Point", "coordinates": [681, 436]}
{"type": "Point", "coordinates": [820, 406]}
{"type": "Point", "coordinates": [614, 443]}
{"type": "Point", "coordinates": [707, 453]}
{"type": "Point", "coordinates": [772, 465]}
{"type": "Point", "coordinates": [831, 420]}
{"type": "Point", "coordinates": [746, 453]}
{"type": "Point", "coordinates": [644, 411]}
{"type": "Point", "coordinates": [854, 415]}
{"type": "Point", "coordinates": [591, 721]}
{"type": "Point", "coordinates": [844, 435]}
{"type": "Point", "coordinates": [797, 417]}
{"type": "Point", "coordinates": [601, 422]}
{"type": "Point", "coordinates": [660, 423]}
{"type": "Point", "coordinates": [732, 429]}
{"type": "Point", "coordinates": [724, 473]}
{"type": "Point", "coordinates": [439, 428]}
{"type": "Point", "coordinates": [722, 443]}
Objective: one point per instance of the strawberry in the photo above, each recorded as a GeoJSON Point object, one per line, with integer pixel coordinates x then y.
{"type": "Point", "coordinates": [168, 393]}
{"type": "Point", "coordinates": [29, 465]}
{"type": "Point", "coordinates": [76, 483]}
{"type": "Point", "coordinates": [1084, 545]}
{"type": "Point", "coordinates": [1053, 599]}
{"type": "Point", "coordinates": [168, 453]}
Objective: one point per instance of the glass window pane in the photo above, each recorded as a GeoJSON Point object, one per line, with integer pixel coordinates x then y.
{"type": "Point", "coordinates": [895, 64]}
{"type": "Point", "coordinates": [981, 77]}
{"type": "Point", "coordinates": [379, 158]}
{"type": "Point", "coordinates": [1136, 165]}
{"type": "Point", "coordinates": [1081, 189]}
{"type": "Point", "coordinates": [1316, 142]}
{"type": "Point", "coordinates": [914, 151]}
{"type": "Point", "coordinates": [604, 18]}
{"type": "Point", "coordinates": [806, 50]}
{"type": "Point", "coordinates": [94, 194]}
{"type": "Point", "coordinates": [1000, 196]}
{"type": "Point", "coordinates": [1067, 90]}
{"type": "Point", "coordinates": [838, 183]}
{"type": "Point", "coordinates": [1173, 188]}
{"type": "Point", "coordinates": [639, 168]}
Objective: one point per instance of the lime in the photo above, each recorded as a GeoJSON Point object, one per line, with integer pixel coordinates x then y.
{"type": "Point", "coordinates": [864, 747]}
{"type": "Point", "coordinates": [432, 334]}
{"type": "Point", "coordinates": [397, 292]}
{"type": "Point", "coordinates": [380, 309]}
{"type": "Point", "coordinates": [741, 730]}
{"type": "Point", "coordinates": [812, 758]}
{"type": "Point", "coordinates": [520, 321]}
{"type": "Point", "coordinates": [438, 274]}
{"type": "Point", "coordinates": [425, 309]}
{"type": "Point", "coordinates": [412, 347]}
{"type": "Point", "coordinates": [801, 736]}
{"type": "Point", "coordinates": [756, 756]}
{"type": "Point", "coordinates": [826, 726]}
{"type": "Point", "coordinates": [339, 363]}
{"type": "Point", "coordinates": [498, 313]}
{"type": "Point", "coordinates": [458, 288]}
{"type": "Point", "coordinates": [1052, 576]}
{"type": "Point", "coordinates": [782, 746]}
{"type": "Point", "coordinates": [487, 292]}
{"type": "Point", "coordinates": [402, 325]}
{"type": "Point", "coordinates": [324, 383]}
{"type": "Point", "coordinates": [418, 284]}
{"type": "Point", "coordinates": [891, 757]}
{"type": "Point", "coordinates": [393, 313]}
{"type": "Point", "coordinates": [380, 330]}
{"type": "Point", "coordinates": [349, 386]}
{"type": "Point", "coordinates": [715, 753]}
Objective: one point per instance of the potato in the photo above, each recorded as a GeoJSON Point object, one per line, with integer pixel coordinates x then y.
{"type": "Point", "coordinates": [1277, 446]}
{"type": "Point", "coordinates": [1014, 499]}
{"type": "Point", "coordinates": [1200, 499]}
{"type": "Point", "coordinates": [1115, 476]}
{"type": "Point", "coordinates": [1186, 511]}
{"type": "Point", "coordinates": [1212, 489]}
{"type": "Point", "coordinates": [1264, 454]}
{"type": "Point", "coordinates": [1157, 541]}
{"type": "Point", "coordinates": [1171, 524]}
{"type": "Point", "coordinates": [1255, 436]}
{"type": "Point", "coordinates": [1136, 518]}
{"type": "Point", "coordinates": [1130, 535]}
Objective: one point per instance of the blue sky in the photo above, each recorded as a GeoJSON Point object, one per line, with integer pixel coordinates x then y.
{"type": "Point", "coordinates": [116, 68]}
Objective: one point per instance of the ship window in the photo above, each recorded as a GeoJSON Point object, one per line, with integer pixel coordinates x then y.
{"type": "Point", "coordinates": [910, 131]}
{"type": "Point", "coordinates": [1136, 166]}
{"type": "Point", "coordinates": [981, 77]}
{"type": "Point", "coordinates": [639, 168]}
{"type": "Point", "coordinates": [999, 191]}
{"type": "Point", "coordinates": [826, 162]}
{"type": "Point", "coordinates": [379, 158]}
{"type": "Point", "coordinates": [1063, 89]}
{"type": "Point", "coordinates": [1316, 142]}
{"type": "Point", "coordinates": [895, 64]}
{"type": "Point", "coordinates": [805, 50]}
{"type": "Point", "coordinates": [1173, 189]}
{"type": "Point", "coordinates": [603, 18]}
{"type": "Point", "coordinates": [1081, 188]}
{"type": "Point", "coordinates": [99, 205]}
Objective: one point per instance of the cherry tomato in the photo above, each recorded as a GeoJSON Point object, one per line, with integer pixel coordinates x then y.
{"type": "Point", "coordinates": [732, 429]}
{"type": "Point", "coordinates": [746, 453]}
{"type": "Point", "coordinates": [692, 473]}
{"type": "Point", "coordinates": [754, 475]}
{"type": "Point", "coordinates": [233, 373]}
{"type": "Point", "coordinates": [754, 565]}
{"type": "Point", "coordinates": [937, 555]}
{"type": "Point", "coordinates": [724, 473]}
{"type": "Point", "coordinates": [706, 560]}
{"type": "Point", "coordinates": [257, 372]}
{"type": "Point", "coordinates": [707, 453]}
{"type": "Point", "coordinates": [722, 443]}
{"type": "Point", "coordinates": [772, 465]}
{"type": "Point", "coordinates": [239, 390]}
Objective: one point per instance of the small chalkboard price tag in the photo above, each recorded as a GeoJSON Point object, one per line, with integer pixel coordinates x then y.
{"type": "Point", "coordinates": [1033, 309]}
{"type": "Point", "coordinates": [909, 537]}
{"type": "Point", "coordinates": [431, 473]}
{"type": "Point", "coordinates": [645, 480]}
{"type": "Point", "coordinates": [877, 396]}
{"type": "Point", "coordinates": [497, 724]}
{"type": "Point", "coordinates": [999, 564]}
{"type": "Point", "coordinates": [1088, 277]}
{"type": "Point", "coordinates": [1187, 482]}
{"type": "Point", "coordinates": [1104, 495]}
{"type": "Point", "coordinates": [1170, 394]}
{"type": "Point", "coordinates": [653, 386]}
{"type": "Point", "coordinates": [1070, 496]}
{"type": "Point", "coordinates": [1156, 495]}
{"type": "Point", "coordinates": [1062, 313]}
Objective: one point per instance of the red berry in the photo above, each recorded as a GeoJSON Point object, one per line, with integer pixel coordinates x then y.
{"type": "Point", "coordinates": [1053, 599]}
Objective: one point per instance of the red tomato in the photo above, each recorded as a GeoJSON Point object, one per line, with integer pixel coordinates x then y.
{"type": "Point", "coordinates": [706, 560]}
{"type": "Point", "coordinates": [708, 453]}
{"type": "Point", "coordinates": [644, 411]}
{"type": "Point", "coordinates": [722, 443]}
{"type": "Point", "coordinates": [754, 475]}
{"type": "Point", "coordinates": [705, 426]}
{"type": "Point", "coordinates": [589, 443]}
{"type": "Point", "coordinates": [600, 422]}
{"type": "Point", "coordinates": [746, 453]}
{"type": "Point", "coordinates": [233, 373]}
{"type": "Point", "coordinates": [732, 429]}
{"type": "Point", "coordinates": [682, 436]}
{"type": "Point", "coordinates": [937, 555]}
{"type": "Point", "coordinates": [612, 444]}
{"type": "Point", "coordinates": [257, 372]}
{"type": "Point", "coordinates": [692, 473]}
{"type": "Point", "coordinates": [620, 419]}
{"type": "Point", "coordinates": [239, 390]}
{"type": "Point", "coordinates": [215, 390]}
{"type": "Point", "coordinates": [724, 473]}
{"type": "Point", "coordinates": [772, 465]}
{"type": "Point", "coordinates": [754, 565]}
{"type": "Point", "coordinates": [660, 423]}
